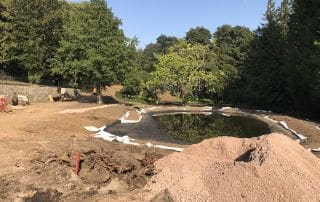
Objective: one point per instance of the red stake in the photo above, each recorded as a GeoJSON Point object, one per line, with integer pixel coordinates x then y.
{"type": "Point", "coordinates": [77, 165]}
{"type": "Point", "coordinates": [3, 104]}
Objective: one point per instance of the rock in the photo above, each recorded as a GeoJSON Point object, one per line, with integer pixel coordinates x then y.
{"type": "Point", "coordinates": [14, 100]}
{"type": "Point", "coordinates": [23, 100]}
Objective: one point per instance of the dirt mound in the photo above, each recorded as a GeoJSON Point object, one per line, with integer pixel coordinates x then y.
{"type": "Point", "coordinates": [271, 167]}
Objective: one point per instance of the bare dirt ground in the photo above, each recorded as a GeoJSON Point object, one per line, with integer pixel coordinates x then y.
{"type": "Point", "coordinates": [37, 154]}
{"type": "Point", "coordinates": [38, 147]}
{"type": "Point", "coordinates": [308, 128]}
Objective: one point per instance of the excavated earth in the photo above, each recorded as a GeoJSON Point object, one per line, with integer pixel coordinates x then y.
{"type": "Point", "coordinates": [268, 168]}
{"type": "Point", "coordinates": [105, 172]}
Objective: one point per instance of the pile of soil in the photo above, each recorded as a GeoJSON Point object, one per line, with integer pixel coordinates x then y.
{"type": "Point", "coordinates": [271, 167]}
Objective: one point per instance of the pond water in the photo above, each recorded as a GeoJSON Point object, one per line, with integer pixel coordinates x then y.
{"type": "Point", "coordinates": [193, 128]}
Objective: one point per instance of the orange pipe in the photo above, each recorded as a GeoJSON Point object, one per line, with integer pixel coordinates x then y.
{"type": "Point", "coordinates": [77, 164]}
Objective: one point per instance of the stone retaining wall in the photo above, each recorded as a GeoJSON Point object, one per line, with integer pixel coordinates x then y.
{"type": "Point", "coordinates": [34, 92]}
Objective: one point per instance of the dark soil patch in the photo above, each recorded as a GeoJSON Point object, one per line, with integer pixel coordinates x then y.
{"type": "Point", "coordinates": [50, 176]}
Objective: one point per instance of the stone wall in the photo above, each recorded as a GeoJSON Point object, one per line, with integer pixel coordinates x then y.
{"type": "Point", "coordinates": [36, 93]}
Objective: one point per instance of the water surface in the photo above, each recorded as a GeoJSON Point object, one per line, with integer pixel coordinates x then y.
{"type": "Point", "coordinates": [194, 128]}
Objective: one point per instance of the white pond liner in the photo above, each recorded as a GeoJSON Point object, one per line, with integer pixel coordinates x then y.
{"type": "Point", "coordinates": [94, 129]}
{"type": "Point", "coordinates": [270, 119]}
{"type": "Point", "coordinates": [224, 108]}
{"type": "Point", "coordinates": [299, 136]}
{"type": "Point", "coordinates": [174, 113]}
{"type": "Point", "coordinates": [285, 125]}
{"type": "Point", "coordinates": [125, 119]}
{"type": "Point", "coordinates": [207, 108]}
{"type": "Point", "coordinates": [263, 111]}
{"type": "Point", "coordinates": [100, 133]}
{"type": "Point", "coordinates": [315, 150]}
{"type": "Point", "coordinates": [226, 115]}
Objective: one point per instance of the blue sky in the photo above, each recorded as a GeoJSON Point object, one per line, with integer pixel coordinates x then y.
{"type": "Point", "coordinates": [147, 19]}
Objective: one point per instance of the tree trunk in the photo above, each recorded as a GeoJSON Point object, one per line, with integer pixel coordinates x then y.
{"type": "Point", "coordinates": [99, 96]}
{"type": "Point", "coordinates": [182, 96]}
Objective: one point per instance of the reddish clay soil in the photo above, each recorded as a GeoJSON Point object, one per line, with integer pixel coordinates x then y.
{"type": "Point", "coordinates": [268, 168]}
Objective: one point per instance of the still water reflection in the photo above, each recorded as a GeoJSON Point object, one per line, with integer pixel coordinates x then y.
{"type": "Point", "coordinates": [194, 128]}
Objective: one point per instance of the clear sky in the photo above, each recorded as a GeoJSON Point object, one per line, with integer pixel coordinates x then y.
{"type": "Point", "coordinates": [147, 19]}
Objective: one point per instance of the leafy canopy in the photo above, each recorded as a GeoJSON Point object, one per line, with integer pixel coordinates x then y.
{"type": "Point", "coordinates": [183, 70]}
{"type": "Point", "coordinates": [93, 48]}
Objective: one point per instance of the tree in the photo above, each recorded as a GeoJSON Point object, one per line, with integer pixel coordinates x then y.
{"type": "Point", "coordinates": [149, 56]}
{"type": "Point", "coordinates": [37, 28]}
{"type": "Point", "coordinates": [284, 14]}
{"type": "Point", "coordinates": [5, 37]}
{"type": "Point", "coordinates": [93, 49]}
{"type": "Point", "coordinates": [303, 82]}
{"type": "Point", "coordinates": [265, 74]}
{"type": "Point", "coordinates": [199, 35]}
{"type": "Point", "coordinates": [165, 42]}
{"type": "Point", "coordinates": [149, 59]}
{"type": "Point", "coordinates": [232, 46]}
{"type": "Point", "coordinates": [134, 83]}
{"type": "Point", "coordinates": [182, 71]}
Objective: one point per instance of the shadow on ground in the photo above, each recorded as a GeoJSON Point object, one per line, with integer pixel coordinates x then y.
{"type": "Point", "coordinates": [93, 99]}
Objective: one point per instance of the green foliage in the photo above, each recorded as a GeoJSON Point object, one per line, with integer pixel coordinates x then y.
{"type": "Point", "coordinates": [148, 56]}
{"type": "Point", "coordinates": [282, 70]}
{"type": "Point", "coordinates": [36, 31]}
{"type": "Point", "coordinates": [93, 48]}
{"type": "Point", "coordinates": [183, 71]}
{"type": "Point", "coordinates": [233, 44]}
{"type": "Point", "coordinates": [264, 75]}
{"type": "Point", "coordinates": [5, 29]}
{"type": "Point", "coordinates": [134, 83]}
{"type": "Point", "coordinates": [302, 62]}
{"type": "Point", "coordinates": [165, 42]}
{"type": "Point", "coordinates": [199, 35]}
{"type": "Point", "coordinates": [276, 67]}
{"type": "Point", "coordinates": [284, 15]}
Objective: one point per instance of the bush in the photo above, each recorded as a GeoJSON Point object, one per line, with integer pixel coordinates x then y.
{"type": "Point", "coordinates": [133, 84]}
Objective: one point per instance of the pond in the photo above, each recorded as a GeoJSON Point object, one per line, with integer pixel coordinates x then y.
{"type": "Point", "coordinates": [181, 128]}
{"type": "Point", "coordinates": [193, 128]}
